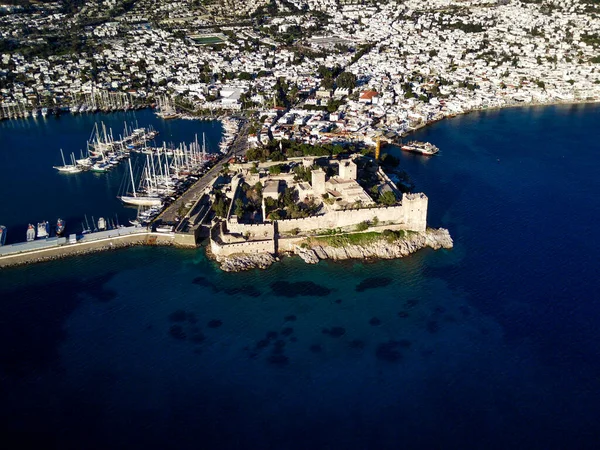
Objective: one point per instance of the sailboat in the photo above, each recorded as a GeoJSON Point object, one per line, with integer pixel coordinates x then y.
{"type": "Point", "coordinates": [68, 168]}
{"type": "Point", "coordinates": [85, 229]}
{"type": "Point", "coordinates": [139, 200]}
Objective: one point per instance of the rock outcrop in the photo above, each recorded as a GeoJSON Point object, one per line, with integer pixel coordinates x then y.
{"type": "Point", "coordinates": [383, 249]}
{"type": "Point", "coordinates": [379, 249]}
{"type": "Point", "coordinates": [236, 263]}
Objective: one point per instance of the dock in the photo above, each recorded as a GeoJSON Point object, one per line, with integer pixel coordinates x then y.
{"type": "Point", "coordinates": [58, 247]}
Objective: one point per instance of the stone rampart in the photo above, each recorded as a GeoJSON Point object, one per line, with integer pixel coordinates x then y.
{"type": "Point", "coordinates": [411, 214]}
{"type": "Point", "coordinates": [256, 229]}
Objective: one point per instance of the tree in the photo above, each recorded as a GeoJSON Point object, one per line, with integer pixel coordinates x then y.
{"type": "Point", "coordinates": [275, 170]}
{"type": "Point", "coordinates": [388, 198]}
{"type": "Point", "coordinates": [346, 80]}
{"type": "Point", "coordinates": [239, 207]}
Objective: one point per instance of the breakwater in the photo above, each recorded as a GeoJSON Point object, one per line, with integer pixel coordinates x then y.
{"type": "Point", "coordinates": [27, 253]}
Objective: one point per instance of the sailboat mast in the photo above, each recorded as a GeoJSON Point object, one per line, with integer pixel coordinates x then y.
{"type": "Point", "coordinates": [132, 180]}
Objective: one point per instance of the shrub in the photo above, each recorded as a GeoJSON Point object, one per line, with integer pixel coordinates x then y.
{"type": "Point", "coordinates": [362, 226]}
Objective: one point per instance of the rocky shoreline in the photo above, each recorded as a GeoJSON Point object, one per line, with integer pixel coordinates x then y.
{"type": "Point", "coordinates": [316, 251]}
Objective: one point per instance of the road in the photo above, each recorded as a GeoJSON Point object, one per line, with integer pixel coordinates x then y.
{"type": "Point", "coordinates": [195, 192]}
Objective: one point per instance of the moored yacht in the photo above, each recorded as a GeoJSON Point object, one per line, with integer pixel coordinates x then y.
{"type": "Point", "coordinates": [43, 230]}
{"type": "Point", "coordinates": [60, 227]}
{"type": "Point", "coordinates": [30, 233]}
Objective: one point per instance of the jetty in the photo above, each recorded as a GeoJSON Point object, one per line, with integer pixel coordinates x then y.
{"type": "Point", "coordinates": [60, 247]}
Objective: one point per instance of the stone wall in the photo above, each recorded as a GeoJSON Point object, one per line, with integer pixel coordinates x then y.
{"type": "Point", "coordinates": [412, 215]}
{"type": "Point", "coordinates": [259, 230]}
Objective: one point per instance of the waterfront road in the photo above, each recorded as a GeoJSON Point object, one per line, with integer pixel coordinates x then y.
{"type": "Point", "coordinates": [195, 193]}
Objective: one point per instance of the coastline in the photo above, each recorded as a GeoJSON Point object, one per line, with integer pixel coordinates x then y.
{"type": "Point", "coordinates": [499, 108]}
{"type": "Point", "coordinates": [363, 246]}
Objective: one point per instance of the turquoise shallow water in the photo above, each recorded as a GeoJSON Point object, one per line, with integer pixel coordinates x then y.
{"type": "Point", "coordinates": [493, 344]}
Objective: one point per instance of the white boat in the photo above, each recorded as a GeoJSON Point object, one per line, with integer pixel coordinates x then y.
{"type": "Point", "coordinates": [423, 148]}
{"type": "Point", "coordinates": [30, 233]}
{"type": "Point", "coordinates": [68, 168]}
{"type": "Point", "coordinates": [139, 200]}
{"type": "Point", "coordinates": [43, 230]}
{"type": "Point", "coordinates": [101, 224]}
{"type": "Point", "coordinates": [2, 235]}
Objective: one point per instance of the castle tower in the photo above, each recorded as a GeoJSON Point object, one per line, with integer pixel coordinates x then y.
{"type": "Point", "coordinates": [318, 181]}
{"type": "Point", "coordinates": [378, 148]}
{"type": "Point", "coordinates": [414, 208]}
{"type": "Point", "coordinates": [348, 170]}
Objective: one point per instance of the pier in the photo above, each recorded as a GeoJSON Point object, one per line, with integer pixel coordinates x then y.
{"type": "Point", "coordinates": [54, 248]}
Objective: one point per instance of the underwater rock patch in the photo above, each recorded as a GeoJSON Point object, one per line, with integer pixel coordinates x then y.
{"type": "Point", "coordinates": [357, 344]}
{"type": "Point", "coordinates": [197, 338]}
{"type": "Point", "coordinates": [373, 283]}
{"type": "Point", "coordinates": [272, 335]}
{"type": "Point", "coordinates": [178, 316]}
{"type": "Point", "coordinates": [316, 348]}
{"type": "Point", "coordinates": [177, 332]}
{"type": "Point", "coordinates": [191, 318]}
{"type": "Point", "coordinates": [433, 326]}
{"type": "Point", "coordinates": [215, 323]}
{"type": "Point", "coordinates": [290, 318]}
{"type": "Point", "coordinates": [287, 331]}
{"type": "Point", "coordinates": [204, 282]}
{"type": "Point", "coordinates": [374, 322]}
{"type": "Point", "coordinates": [403, 314]}
{"type": "Point", "coordinates": [249, 291]}
{"type": "Point", "coordinates": [388, 351]}
{"type": "Point", "coordinates": [299, 288]}
{"type": "Point", "coordinates": [263, 343]}
{"type": "Point", "coordinates": [278, 360]}
{"type": "Point", "coordinates": [334, 331]}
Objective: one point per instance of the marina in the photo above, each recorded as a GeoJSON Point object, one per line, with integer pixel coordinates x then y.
{"type": "Point", "coordinates": [71, 197]}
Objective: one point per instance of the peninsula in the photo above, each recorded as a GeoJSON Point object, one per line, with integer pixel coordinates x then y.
{"type": "Point", "coordinates": [318, 208]}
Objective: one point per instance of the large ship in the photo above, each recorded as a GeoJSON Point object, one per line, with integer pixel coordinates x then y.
{"type": "Point", "coordinates": [60, 227]}
{"type": "Point", "coordinates": [424, 148]}
{"type": "Point", "coordinates": [2, 235]}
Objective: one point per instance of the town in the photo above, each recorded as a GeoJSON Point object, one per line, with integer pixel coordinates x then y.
{"type": "Point", "coordinates": [315, 71]}
{"type": "Point", "coordinates": [309, 92]}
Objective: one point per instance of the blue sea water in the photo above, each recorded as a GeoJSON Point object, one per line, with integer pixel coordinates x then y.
{"type": "Point", "coordinates": [32, 191]}
{"type": "Point", "coordinates": [493, 344]}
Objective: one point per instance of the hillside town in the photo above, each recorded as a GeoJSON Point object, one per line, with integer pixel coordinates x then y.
{"type": "Point", "coordinates": [315, 71]}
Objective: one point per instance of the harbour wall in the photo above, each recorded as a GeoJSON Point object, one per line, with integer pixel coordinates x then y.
{"type": "Point", "coordinates": [83, 246]}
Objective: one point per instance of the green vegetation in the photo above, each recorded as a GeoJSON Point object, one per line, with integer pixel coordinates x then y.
{"type": "Point", "coordinates": [387, 198]}
{"type": "Point", "coordinates": [295, 149]}
{"type": "Point", "coordinates": [221, 204]}
{"type": "Point", "coordinates": [343, 240]}
{"type": "Point", "coordinates": [369, 237]}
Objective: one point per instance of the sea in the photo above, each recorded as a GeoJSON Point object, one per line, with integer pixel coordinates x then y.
{"type": "Point", "coordinates": [32, 191]}
{"type": "Point", "coordinates": [493, 344]}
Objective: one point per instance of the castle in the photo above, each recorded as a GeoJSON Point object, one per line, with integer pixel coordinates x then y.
{"type": "Point", "coordinates": [337, 202]}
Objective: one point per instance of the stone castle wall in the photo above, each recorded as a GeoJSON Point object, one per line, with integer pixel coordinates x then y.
{"type": "Point", "coordinates": [412, 214]}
